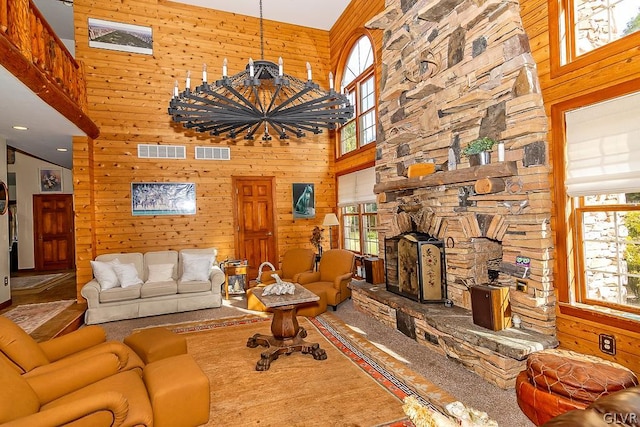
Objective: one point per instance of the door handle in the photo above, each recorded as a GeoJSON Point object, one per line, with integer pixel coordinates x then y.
{"type": "Point", "coordinates": [269, 233]}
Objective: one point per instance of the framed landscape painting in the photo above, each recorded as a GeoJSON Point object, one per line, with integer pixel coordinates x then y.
{"type": "Point", "coordinates": [50, 180]}
{"type": "Point", "coordinates": [163, 198]}
{"type": "Point", "coordinates": [120, 36]}
{"type": "Point", "coordinates": [304, 201]}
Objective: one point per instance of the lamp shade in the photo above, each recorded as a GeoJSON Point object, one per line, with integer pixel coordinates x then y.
{"type": "Point", "coordinates": [330, 219]}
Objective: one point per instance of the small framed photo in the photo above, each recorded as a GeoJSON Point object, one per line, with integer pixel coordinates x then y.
{"type": "Point", "coordinates": [50, 180]}
{"type": "Point", "coordinates": [304, 201]}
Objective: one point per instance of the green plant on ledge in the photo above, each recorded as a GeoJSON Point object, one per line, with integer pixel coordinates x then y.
{"type": "Point", "coordinates": [479, 145]}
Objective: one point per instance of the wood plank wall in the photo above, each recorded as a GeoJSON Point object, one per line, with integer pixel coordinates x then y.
{"type": "Point", "coordinates": [128, 96]}
{"type": "Point", "coordinates": [577, 332]}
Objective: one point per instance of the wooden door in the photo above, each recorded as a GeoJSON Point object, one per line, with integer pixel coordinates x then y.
{"type": "Point", "coordinates": [53, 231]}
{"type": "Point", "coordinates": [254, 222]}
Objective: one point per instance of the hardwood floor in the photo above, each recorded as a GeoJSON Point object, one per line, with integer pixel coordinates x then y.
{"type": "Point", "coordinates": [70, 319]}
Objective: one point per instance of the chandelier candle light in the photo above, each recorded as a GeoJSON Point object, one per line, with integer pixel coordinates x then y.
{"type": "Point", "coordinates": [260, 97]}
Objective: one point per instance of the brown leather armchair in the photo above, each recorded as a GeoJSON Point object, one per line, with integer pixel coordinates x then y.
{"type": "Point", "coordinates": [334, 274]}
{"type": "Point", "coordinates": [621, 408]}
{"type": "Point", "coordinates": [294, 262]}
{"type": "Point", "coordinates": [172, 391]}
{"type": "Point", "coordinates": [29, 357]}
{"type": "Point", "coordinates": [82, 380]}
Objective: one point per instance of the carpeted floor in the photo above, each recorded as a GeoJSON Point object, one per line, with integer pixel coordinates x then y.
{"type": "Point", "coordinates": [448, 374]}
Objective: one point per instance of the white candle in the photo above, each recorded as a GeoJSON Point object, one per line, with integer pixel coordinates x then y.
{"type": "Point", "coordinates": [501, 152]}
{"type": "Point", "coordinates": [224, 68]}
{"type": "Point", "coordinates": [280, 67]}
{"type": "Point", "coordinates": [308, 71]}
{"type": "Point", "coordinates": [175, 90]}
{"type": "Point", "coordinates": [330, 80]}
{"type": "Point", "coordinates": [251, 71]}
{"type": "Point", "coordinates": [188, 79]}
{"type": "Point", "coordinates": [204, 73]}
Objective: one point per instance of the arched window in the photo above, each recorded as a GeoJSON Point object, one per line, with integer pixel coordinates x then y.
{"type": "Point", "coordinates": [359, 81]}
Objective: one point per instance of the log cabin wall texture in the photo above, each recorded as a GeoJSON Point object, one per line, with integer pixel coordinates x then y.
{"type": "Point", "coordinates": [128, 95]}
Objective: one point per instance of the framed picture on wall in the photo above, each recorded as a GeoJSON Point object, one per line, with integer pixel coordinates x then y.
{"type": "Point", "coordinates": [304, 201]}
{"type": "Point", "coordinates": [163, 198]}
{"type": "Point", "coordinates": [50, 180]}
{"type": "Point", "coordinates": [120, 36]}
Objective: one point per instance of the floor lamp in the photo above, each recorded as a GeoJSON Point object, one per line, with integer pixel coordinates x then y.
{"type": "Point", "coordinates": [330, 220]}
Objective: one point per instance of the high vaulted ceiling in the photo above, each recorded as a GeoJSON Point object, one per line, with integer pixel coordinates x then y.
{"type": "Point", "coordinates": [50, 131]}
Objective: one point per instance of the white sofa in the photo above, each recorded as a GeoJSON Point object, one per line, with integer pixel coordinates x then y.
{"type": "Point", "coordinates": [131, 285]}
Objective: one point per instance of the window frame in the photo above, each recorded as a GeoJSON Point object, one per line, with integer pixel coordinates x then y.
{"type": "Point", "coordinates": [581, 277]}
{"type": "Point", "coordinates": [565, 265]}
{"type": "Point", "coordinates": [355, 87]}
{"type": "Point", "coordinates": [360, 214]}
{"type": "Point", "coordinates": [557, 46]}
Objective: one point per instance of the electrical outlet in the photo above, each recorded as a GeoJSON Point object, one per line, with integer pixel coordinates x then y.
{"type": "Point", "coordinates": [6, 280]}
{"type": "Point", "coordinates": [608, 344]}
{"type": "Point", "coordinates": [521, 285]}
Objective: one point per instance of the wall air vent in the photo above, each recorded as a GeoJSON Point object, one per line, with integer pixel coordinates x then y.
{"type": "Point", "coordinates": [153, 151]}
{"type": "Point", "coordinates": [213, 153]}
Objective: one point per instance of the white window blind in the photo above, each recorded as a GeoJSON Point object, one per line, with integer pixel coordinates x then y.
{"type": "Point", "coordinates": [357, 187]}
{"type": "Point", "coordinates": [603, 147]}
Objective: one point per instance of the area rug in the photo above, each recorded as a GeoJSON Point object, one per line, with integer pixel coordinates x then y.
{"type": "Point", "coordinates": [31, 316]}
{"type": "Point", "coordinates": [349, 388]}
{"type": "Point", "coordinates": [35, 284]}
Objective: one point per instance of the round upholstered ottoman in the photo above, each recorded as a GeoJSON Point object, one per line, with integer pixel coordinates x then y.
{"type": "Point", "coordinates": [557, 381]}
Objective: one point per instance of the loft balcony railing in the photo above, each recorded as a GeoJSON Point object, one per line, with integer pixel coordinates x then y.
{"type": "Point", "coordinates": [30, 50]}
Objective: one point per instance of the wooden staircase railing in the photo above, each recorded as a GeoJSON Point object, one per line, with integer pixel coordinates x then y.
{"type": "Point", "coordinates": [31, 50]}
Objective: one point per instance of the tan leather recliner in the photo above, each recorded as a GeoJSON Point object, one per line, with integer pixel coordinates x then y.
{"type": "Point", "coordinates": [29, 357]}
{"type": "Point", "coordinates": [334, 274]}
{"type": "Point", "coordinates": [294, 262]}
{"type": "Point", "coordinates": [171, 392]}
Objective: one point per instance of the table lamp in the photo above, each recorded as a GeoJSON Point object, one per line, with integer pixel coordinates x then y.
{"type": "Point", "coordinates": [330, 220]}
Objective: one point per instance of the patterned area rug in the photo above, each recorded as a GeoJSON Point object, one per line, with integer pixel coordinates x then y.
{"type": "Point", "coordinates": [36, 284]}
{"type": "Point", "coordinates": [363, 378]}
{"type": "Point", "coordinates": [31, 316]}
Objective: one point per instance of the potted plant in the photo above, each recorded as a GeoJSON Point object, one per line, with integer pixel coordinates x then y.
{"type": "Point", "coordinates": [479, 151]}
{"type": "Point", "coordinates": [317, 238]}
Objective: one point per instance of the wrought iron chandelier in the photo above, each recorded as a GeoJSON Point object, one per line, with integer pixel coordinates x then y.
{"type": "Point", "coordinates": [261, 97]}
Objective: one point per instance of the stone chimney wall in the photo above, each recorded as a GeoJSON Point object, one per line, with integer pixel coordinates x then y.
{"type": "Point", "coordinates": [455, 70]}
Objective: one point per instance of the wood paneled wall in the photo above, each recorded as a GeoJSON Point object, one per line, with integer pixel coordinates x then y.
{"type": "Point", "coordinates": [128, 96]}
{"type": "Point", "coordinates": [577, 330]}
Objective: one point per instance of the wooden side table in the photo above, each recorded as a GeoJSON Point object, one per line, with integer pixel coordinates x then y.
{"type": "Point", "coordinates": [230, 271]}
{"type": "Point", "coordinates": [288, 336]}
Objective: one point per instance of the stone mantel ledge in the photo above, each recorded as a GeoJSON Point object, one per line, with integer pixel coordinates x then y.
{"type": "Point", "coordinates": [457, 322]}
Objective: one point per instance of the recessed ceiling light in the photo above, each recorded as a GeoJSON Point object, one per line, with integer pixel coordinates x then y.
{"type": "Point", "coordinates": [64, 150]}
{"type": "Point", "coordinates": [20, 128]}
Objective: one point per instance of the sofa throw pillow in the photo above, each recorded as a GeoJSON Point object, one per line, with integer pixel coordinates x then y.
{"type": "Point", "coordinates": [196, 267]}
{"type": "Point", "coordinates": [105, 274]}
{"type": "Point", "coordinates": [127, 274]}
{"type": "Point", "coordinates": [160, 273]}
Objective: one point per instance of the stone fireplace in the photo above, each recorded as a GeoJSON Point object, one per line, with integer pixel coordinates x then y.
{"type": "Point", "coordinates": [453, 71]}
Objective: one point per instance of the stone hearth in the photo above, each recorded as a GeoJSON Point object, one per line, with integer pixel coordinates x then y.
{"type": "Point", "coordinates": [497, 356]}
{"type": "Point", "coordinates": [453, 71]}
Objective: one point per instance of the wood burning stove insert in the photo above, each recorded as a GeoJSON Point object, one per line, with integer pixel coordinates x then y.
{"type": "Point", "coordinates": [415, 267]}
